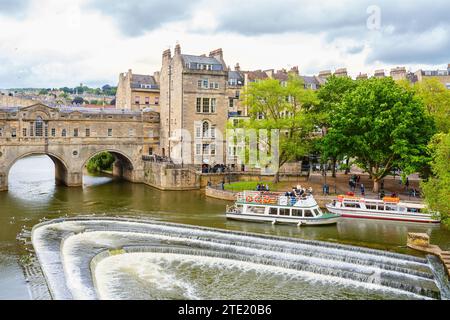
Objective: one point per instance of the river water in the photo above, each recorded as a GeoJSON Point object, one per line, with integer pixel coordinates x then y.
{"type": "Point", "coordinates": [33, 195]}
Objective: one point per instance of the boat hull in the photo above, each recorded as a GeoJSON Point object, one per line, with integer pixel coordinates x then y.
{"type": "Point", "coordinates": [380, 216]}
{"type": "Point", "coordinates": [282, 220]}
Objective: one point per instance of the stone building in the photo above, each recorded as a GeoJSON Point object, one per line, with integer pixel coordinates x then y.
{"type": "Point", "coordinates": [194, 98]}
{"type": "Point", "coordinates": [137, 92]}
{"type": "Point", "coordinates": [342, 72]}
{"type": "Point", "coordinates": [235, 85]}
{"type": "Point", "coordinates": [442, 75]}
{"type": "Point", "coordinates": [379, 74]}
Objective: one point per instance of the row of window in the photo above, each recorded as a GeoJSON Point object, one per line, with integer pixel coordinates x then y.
{"type": "Point", "coordinates": [137, 100]}
{"type": "Point", "coordinates": [235, 82]}
{"type": "Point", "coordinates": [206, 84]}
{"type": "Point", "coordinates": [36, 131]}
{"type": "Point", "coordinates": [199, 66]}
{"type": "Point", "coordinates": [206, 149]}
{"type": "Point", "coordinates": [307, 213]}
{"type": "Point", "coordinates": [205, 131]}
{"type": "Point", "coordinates": [206, 105]}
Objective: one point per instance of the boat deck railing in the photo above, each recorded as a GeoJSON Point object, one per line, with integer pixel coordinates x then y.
{"type": "Point", "coordinates": [270, 198]}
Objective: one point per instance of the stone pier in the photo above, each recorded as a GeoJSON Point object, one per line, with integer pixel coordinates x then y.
{"type": "Point", "coordinates": [421, 242]}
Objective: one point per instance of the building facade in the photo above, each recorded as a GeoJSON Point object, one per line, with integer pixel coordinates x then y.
{"type": "Point", "coordinates": [137, 92]}
{"type": "Point", "coordinates": [194, 107]}
{"type": "Point", "coordinates": [442, 75]}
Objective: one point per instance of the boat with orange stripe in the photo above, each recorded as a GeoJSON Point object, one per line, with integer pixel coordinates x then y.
{"type": "Point", "coordinates": [390, 208]}
{"type": "Point", "coordinates": [279, 208]}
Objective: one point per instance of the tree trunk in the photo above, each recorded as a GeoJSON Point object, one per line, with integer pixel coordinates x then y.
{"type": "Point", "coordinates": [276, 178]}
{"type": "Point", "coordinates": [376, 185]}
{"type": "Point", "coordinates": [334, 168]}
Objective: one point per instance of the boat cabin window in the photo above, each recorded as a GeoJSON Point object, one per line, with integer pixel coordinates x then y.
{"type": "Point", "coordinates": [284, 212]}
{"type": "Point", "coordinates": [414, 210]}
{"type": "Point", "coordinates": [381, 207]}
{"type": "Point", "coordinates": [317, 212]}
{"type": "Point", "coordinates": [309, 214]}
{"type": "Point", "coordinates": [273, 211]}
{"type": "Point", "coordinates": [371, 206]}
{"type": "Point", "coordinates": [297, 212]}
{"type": "Point", "coordinates": [352, 205]}
{"type": "Point", "coordinates": [391, 208]}
{"type": "Point", "coordinates": [258, 210]}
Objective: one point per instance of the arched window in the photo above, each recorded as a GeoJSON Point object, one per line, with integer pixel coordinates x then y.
{"type": "Point", "coordinates": [205, 129]}
{"type": "Point", "coordinates": [63, 132]}
{"type": "Point", "coordinates": [39, 127]}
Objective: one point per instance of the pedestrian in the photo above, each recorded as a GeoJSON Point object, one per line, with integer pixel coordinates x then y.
{"type": "Point", "coordinates": [267, 187]}
{"type": "Point", "coordinates": [407, 183]}
{"type": "Point", "coordinates": [382, 184]}
{"type": "Point", "coordinates": [363, 190]}
{"type": "Point", "coordinates": [223, 185]}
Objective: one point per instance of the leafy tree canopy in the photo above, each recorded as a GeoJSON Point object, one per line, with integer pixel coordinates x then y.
{"type": "Point", "coordinates": [437, 189]}
{"type": "Point", "coordinates": [285, 107]}
{"type": "Point", "coordinates": [383, 126]}
{"type": "Point", "coordinates": [436, 98]}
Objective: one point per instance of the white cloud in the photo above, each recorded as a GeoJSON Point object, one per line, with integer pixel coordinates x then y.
{"type": "Point", "coordinates": [53, 43]}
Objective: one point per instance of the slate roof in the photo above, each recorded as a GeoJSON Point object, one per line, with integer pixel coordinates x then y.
{"type": "Point", "coordinates": [67, 110]}
{"type": "Point", "coordinates": [256, 75]}
{"type": "Point", "coordinates": [187, 58]}
{"type": "Point", "coordinates": [138, 79]}
{"type": "Point", "coordinates": [236, 75]}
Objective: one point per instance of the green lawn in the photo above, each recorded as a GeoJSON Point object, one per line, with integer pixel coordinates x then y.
{"type": "Point", "coordinates": [246, 185]}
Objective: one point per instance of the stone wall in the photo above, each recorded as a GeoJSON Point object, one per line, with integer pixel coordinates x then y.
{"type": "Point", "coordinates": [220, 194]}
{"type": "Point", "coordinates": [169, 177]}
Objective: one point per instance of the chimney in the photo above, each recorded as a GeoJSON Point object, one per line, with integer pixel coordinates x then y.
{"type": "Point", "coordinates": [177, 49]}
{"type": "Point", "coordinates": [379, 74]}
{"type": "Point", "coordinates": [295, 70]}
{"type": "Point", "coordinates": [325, 74]}
{"type": "Point", "coordinates": [237, 67]}
{"type": "Point", "coordinates": [156, 75]}
{"type": "Point", "coordinates": [342, 72]}
{"type": "Point", "coordinates": [218, 53]}
{"type": "Point", "coordinates": [167, 54]}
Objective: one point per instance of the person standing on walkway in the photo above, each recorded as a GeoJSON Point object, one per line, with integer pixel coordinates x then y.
{"type": "Point", "coordinates": [363, 190]}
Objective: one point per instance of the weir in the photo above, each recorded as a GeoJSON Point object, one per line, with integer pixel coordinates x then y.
{"type": "Point", "coordinates": [67, 247]}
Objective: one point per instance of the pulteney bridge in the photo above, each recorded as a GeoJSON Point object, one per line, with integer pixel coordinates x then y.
{"type": "Point", "coordinates": [70, 136]}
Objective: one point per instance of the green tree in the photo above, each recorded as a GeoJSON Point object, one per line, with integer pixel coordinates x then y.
{"type": "Point", "coordinates": [101, 162]}
{"type": "Point", "coordinates": [283, 106]}
{"type": "Point", "coordinates": [78, 100]}
{"type": "Point", "coordinates": [383, 126]}
{"type": "Point", "coordinates": [330, 96]}
{"type": "Point", "coordinates": [436, 98]}
{"type": "Point", "coordinates": [437, 189]}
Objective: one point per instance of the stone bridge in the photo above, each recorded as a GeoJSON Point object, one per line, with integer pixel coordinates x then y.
{"type": "Point", "coordinates": [71, 136]}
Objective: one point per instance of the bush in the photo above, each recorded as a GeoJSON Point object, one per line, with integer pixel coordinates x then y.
{"type": "Point", "coordinates": [101, 162]}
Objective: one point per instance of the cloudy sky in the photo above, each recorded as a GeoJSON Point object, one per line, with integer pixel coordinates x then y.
{"type": "Point", "coordinates": [54, 43]}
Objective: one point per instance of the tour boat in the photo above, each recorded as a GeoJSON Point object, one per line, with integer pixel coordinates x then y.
{"type": "Point", "coordinates": [387, 209]}
{"type": "Point", "coordinates": [278, 208]}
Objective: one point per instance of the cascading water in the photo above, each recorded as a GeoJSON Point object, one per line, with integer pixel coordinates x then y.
{"type": "Point", "coordinates": [80, 260]}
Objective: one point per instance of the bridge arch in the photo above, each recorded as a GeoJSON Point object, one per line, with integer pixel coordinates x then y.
{"type": "Point", "coordinates": [61, 167]}
{"type": "Point", "coordinates": [123, 166]}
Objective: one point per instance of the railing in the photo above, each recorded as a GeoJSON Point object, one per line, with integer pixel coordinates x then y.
{"type": "Point", "coordinates": [265, 197]}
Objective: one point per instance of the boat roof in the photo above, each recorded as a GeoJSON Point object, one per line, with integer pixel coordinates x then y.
{"type": "Point", "coordinates": [387, 200]}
